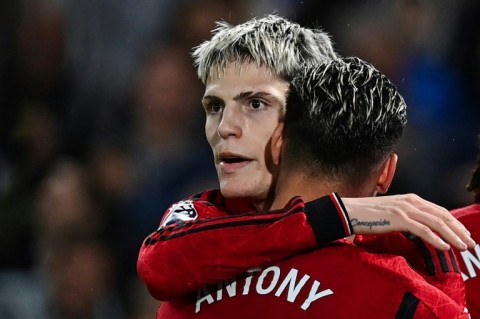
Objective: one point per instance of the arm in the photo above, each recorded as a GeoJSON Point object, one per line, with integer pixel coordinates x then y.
{"type": "Point", "coordinates": [182, 257]}
{"type": "Point", "coordinates": [186, 255]}
{"type": "Point", "coordinates": [408, 213]}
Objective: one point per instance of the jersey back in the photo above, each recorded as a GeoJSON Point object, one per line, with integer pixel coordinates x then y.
{"type": "Point", "coordinates": [340, 280]}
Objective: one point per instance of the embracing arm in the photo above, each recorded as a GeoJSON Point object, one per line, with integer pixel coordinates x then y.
{"type": "Point", "coordinates": [182, 257]}
{"type": "Point", "coordinates": [186, 255]}
{"type": "Point", "coordinates": [408, 213]}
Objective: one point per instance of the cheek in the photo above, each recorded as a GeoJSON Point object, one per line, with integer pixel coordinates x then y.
{"type": "Point", "coordinates": [210, 131]}
{"type": "Point", "coordinates": [263, 136]}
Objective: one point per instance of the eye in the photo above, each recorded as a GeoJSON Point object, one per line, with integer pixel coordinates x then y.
{"type": "Point", "coordinates": [216, 107]}
{"type": "Point", "coordinates": [213, 107]}
{"type": "Point", "coordinates": [257, 104]}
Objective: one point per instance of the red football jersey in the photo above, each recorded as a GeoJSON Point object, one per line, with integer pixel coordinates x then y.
{"type": "Point", "coordinates": [437, 268]}
{"type": "Point", "coordinates": [204, 244]}
{"type": "Point", "coordinates": [199, 233]}
{"type": "Point", "coordinates": [340, 280]}
{"type": "Point", "coordinates": [469, 260]}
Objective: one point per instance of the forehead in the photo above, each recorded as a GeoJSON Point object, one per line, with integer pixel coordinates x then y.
{"type": "Point", "coordinates": [238, 77]}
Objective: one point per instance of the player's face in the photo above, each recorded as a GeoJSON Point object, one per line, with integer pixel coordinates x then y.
{"type": "Point", "coordinates": [243, 107]}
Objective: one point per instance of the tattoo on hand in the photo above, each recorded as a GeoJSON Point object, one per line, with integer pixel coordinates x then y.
{"type": "Point", "coordinates": [367, 223]}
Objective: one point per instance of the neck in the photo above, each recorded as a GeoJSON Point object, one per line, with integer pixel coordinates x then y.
{"type": "Point", "coordinates": [310, 188]}
{"type": "Point", "coordinates": [242, 205]}
{"type": "Point", "coordinates": [294, 184]}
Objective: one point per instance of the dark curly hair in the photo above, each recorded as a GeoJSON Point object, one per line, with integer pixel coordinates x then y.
{"type": "Point", "coordinates": [343, 119]}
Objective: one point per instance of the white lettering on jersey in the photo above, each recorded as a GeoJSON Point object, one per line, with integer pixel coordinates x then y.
{"type": "Point", "coordinates": [293, 290]}
{"type": "Point", "coordinates": [465, 310]}
{"type": "Point", "coordinates": [230, 287]}
{"type": "Point", "coordinates": [248, 280]}
{"type": "Point", "coordinates": [295, 287]}
{"type": "Point", "coordinates": [276, 275]}
{"type": "Point", "coordinates": [203, 295]}
{"type": "Point", "coordinates": [470, 261]}
{"type": "Point", "coordinates": [315, 295]}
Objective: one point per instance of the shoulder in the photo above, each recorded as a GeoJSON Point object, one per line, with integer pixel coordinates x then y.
{"type": "Point", "coordinates": [205, 204]}
{"type": "Point", "coordinates": [353, 273]}
{"type": "Point", "coordinates": [349, 257]}
{"type": "Point", "coordinates": [390, 279]}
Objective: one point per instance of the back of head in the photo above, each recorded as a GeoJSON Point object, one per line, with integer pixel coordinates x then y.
{"type": "Point", "coordinates": [474, 184]}
{"type": "Point", "coordinates": [343, 120]}
{"type": "Point", "coordinates": [271, 41]}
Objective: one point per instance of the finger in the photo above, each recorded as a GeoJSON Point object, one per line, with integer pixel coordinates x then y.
{"type": "Point", "coordinates": [427, 235]}
{"type": "Point", "coordinates": [446, 217]}
{"type": "Point", "coordinates": [451, 234]}
{"type": "Point", "coordinates": [444, 213]}
{"type": "Point", "coordinates": [459, 229]}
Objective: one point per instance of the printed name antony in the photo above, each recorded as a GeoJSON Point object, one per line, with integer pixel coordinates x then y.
{"type": "Point", "coordinates": [277, 285]}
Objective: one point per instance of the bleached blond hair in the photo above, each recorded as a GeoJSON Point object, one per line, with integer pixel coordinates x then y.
{"type": "Point", "coordinates": [271, 41]}
{"type": "Point", "coordinates": [343, 119]}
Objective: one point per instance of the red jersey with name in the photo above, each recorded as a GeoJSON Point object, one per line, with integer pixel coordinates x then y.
{"type": "Point", "coordinates": [200, 242]}
{"type": "Point", "coordinates": [340, 280]}
{"type": "Point", "coordinates": [469, 260]}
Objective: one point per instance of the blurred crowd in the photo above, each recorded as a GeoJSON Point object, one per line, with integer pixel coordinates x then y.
{"type": "Point", "coordinates": [101, 128]}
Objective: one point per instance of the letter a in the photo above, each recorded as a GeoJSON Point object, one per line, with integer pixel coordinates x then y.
{"type": "Point", "coordinates": [206, 296]}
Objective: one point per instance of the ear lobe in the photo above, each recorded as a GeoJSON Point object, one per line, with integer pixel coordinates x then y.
{"type": "Point", "coordinates": [277, 143]}
{"type": "Point", "coordinates": [386, 177]}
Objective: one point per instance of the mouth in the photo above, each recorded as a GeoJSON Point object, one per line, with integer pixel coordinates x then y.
{"type": "Point", "coordinates": [230, 161]}
{"type": "Point", "coordinates": [231, 158]}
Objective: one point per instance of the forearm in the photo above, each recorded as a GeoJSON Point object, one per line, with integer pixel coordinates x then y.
{"type": "Point", "coordinates": [177, 260]}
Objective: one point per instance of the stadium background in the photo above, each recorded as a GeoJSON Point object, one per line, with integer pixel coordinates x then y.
{"type": "Point", "coordinates": [101, 121]}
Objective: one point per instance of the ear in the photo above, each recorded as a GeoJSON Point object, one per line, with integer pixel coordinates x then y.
{"type": "Point", "coordinates": [388, 171]}
{"type": "Point", "coordinates": [277, 143]}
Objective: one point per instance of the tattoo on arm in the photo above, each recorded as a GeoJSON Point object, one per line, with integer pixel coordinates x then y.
{"type": "Point", "coordinates": [369, 223]}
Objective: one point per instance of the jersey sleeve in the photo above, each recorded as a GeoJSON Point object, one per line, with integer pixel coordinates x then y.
{"type": "Point", "coordinates": [438, 268]}
{"type": "Point", "coordinates": [415, 308]}
{"type": "Point", "coordinates": [199, 243]}
{"type": "Point", "coordinates": [424, 293]}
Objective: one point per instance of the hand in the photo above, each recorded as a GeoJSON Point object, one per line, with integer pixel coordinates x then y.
{"type": "Point", "coordinates": [411, 213]}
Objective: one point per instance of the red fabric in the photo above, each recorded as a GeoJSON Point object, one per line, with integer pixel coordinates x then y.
{"type": "Point", "coordinates": [232, 244]}
{"type": "Point", "coordinates": [470, 217]}
{"type": "Point", "coordinates": [348, 281]}
{"type": "Point", "coordinates": [438, 268]}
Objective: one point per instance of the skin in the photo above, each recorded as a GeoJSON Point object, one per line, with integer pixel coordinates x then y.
{"type": "Point", "coordinates": [245, 107]}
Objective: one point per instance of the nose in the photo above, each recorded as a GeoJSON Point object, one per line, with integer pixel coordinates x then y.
{"type": "Point", "coordinates": [230, 122]}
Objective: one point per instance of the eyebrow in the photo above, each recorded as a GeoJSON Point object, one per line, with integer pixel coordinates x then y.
{"type": "Point", "coordinates": [244, 95]}
{"type": "Point", "coordinates": [210, 98]}
{"type": "Point", "coordinates": [247, 94]}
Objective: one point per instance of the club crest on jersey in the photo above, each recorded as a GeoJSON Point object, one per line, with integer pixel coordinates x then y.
{"type": "Point", "coordinates": [180, 212]}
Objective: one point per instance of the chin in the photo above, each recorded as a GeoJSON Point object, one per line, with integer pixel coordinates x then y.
{"type": "Point", "coordinates": [231, 189]}
{"type": "Point", "coordinates": [232, 192]}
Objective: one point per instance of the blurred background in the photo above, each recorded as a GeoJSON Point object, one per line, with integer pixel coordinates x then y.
{"type": "Point", "coordinates": [101, 128]}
